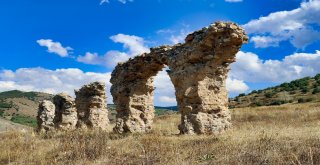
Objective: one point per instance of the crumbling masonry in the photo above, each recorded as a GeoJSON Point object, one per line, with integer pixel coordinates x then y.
{"type": "Point", "coordinates": [88, 110]}
{"type": "Point", "coordinates": [198, 70]}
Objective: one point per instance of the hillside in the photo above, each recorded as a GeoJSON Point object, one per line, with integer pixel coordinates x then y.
{"type": "Point", "coordinates": [21, 107]}
{"type": "Point", "coordinates": [298, 91]}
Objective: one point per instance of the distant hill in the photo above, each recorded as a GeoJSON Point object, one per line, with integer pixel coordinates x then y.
{"type": "Point", "coordinates": [298, 91]}
{"type": "Point", "coordinates": [21, 107]}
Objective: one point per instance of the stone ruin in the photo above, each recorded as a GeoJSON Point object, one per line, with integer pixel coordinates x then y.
{"type": "Point", "coordinates": [88, 110]}
{"type": "Point", "coordinates": [45, 117]}
{"type": "Point", "coordinates": [65, 112]}
{"type": "Point", "coordinates": [198, 70]}
{"type": "Point", "coordinates": [91, 105]}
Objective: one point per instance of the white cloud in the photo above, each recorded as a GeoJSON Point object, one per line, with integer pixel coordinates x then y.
{"type": "Point", "coordinates": [54, 47]}
{"type": "Point", "coordinates": [104, 1]}
{"type": "Point", "coordinates": [50, 81]}
{"type": "Point", "coordinates": [179, 38]}
{"type": "Point", "coordinates": [265, 41]}
{"type": "Point", "coordinates": [122, 1]}
{"type": "Point", "coordinates": [236, 86]}
{"type": "Point", "coordinates": [133, 44]}
{"type": "Point", "coordinates": [250, 68]}
{"type": "Point", "coordinates": [233, 0]}
{"type": "Point", "coordinates": [168, 100]}
{"type": "Point", "coordinates": [295, 25]}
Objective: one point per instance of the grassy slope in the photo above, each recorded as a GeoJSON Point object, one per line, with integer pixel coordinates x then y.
{"type": "Point", "coordinates": [21, 107]}
{"type": "Point", "coordinates": [286, 134]}
{"type": "Point", "coordinates": [302, 90]}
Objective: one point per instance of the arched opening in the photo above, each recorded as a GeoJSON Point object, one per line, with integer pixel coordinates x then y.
{"type": "Point", "coordinates": [165, 103]}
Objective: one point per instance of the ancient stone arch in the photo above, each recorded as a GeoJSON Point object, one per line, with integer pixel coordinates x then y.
{"type": "Point", "coordinates": [198, 71]}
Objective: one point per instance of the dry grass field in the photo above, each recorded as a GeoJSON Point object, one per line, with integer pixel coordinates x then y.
{"type": "Point", "coordinates": [287, 134]}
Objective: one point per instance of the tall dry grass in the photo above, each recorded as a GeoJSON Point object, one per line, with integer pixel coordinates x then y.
{"type": "Point", "coordinates": [288, 134]}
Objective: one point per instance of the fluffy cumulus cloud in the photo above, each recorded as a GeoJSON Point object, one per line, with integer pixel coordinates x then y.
{"type": "Point", "coordinates": [164, 93]}
{"type": "Point", "coordinates": [55, 47]}
{"type": "Point", "coordinates": [122, 1]}
{"type": "Point", "coordinates": [250, 68]}
{"type": "Point", "coordinates": [50, 81]}
{"type": "Point", "coordinates": [297, 26]}
{"type": "Point", "coordinates": [233, 1]}
{"type": "Point", "coordinates": [133, 45]}
{"type": "Point", "coordinates": [235, 86]}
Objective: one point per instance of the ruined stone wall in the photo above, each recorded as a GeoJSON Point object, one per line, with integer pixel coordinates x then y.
{"type": "Point", "coordinates": [45, 117]}
{"type": "Point", "coordinates": [198, 70]}
{"type": "Point", "coordinates": [65, 112]}
{"type": "Point", "coordinates": [91, 105]}
{"type": "Point", "coordinates": [89, 110]}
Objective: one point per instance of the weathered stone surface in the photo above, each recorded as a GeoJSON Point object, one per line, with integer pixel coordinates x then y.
{"type": "Point", "coordinates": [198, 70]}
{"type": "Point", "coordinates": [45, 117]}
{"type": "Point", "coordinates": [65, 113]}
{"type": "Point", "coordinates": [91, 106]}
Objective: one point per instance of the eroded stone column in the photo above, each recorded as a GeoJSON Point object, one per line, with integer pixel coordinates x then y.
{"type": "Point", "coordinates": [133, 91]}
{"type": "Point", "coordinates": [91, 105]}
{"type": "Point", "coordinates": [65, 113]}
{"type": "Point", "coordinates": [199, 72]}
{"type": "Point", "coordinates": [45, 117]}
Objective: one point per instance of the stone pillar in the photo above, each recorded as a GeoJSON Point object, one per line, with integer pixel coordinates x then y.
{"type": "Point", "coordinates": [91, 105]}
{"type": "Point", "coordinates": [199, 72]}
{"type": "Point", "coordinates": [45, 117]}
{"type": "Point", "coordinates": [133, 91]}
{"type": "Point", "coordinates": [65, 113]}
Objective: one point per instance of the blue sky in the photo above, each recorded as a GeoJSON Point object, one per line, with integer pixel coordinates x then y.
{"type": "Point", "coordinates": [59, 45]}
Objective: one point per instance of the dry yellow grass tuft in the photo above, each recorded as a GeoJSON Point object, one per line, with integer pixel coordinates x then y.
{"type": "Point", "coordinates": [288, 134]}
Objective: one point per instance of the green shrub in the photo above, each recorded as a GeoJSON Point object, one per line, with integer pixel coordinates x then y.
{"type": "Point", "coordinates": [317, 77]}
{"type": "Point", "coordinates": [292, 92]}
{"type": "Point", "coordinates": [5, 105]}
{"type": "Point", "coordinates": [301, 100]}
{"type": "Point", "coordinates": [309, 99]}
{"type": "Point", "coordinates": [258, 104]}
{"type": "Point", "coordinates": [316, 90]}
{"type": "Point", "coordinates": [304, 89]}
{"type": "Point", "coordinates": [242, 94]}
{"type": "Point", "coordinates": [278, 102]}
{"type": "Point", "coordinates": [269, 95]}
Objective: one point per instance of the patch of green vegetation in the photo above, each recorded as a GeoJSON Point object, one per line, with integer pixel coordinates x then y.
{"type": "Point", "coordinates": [1, 112]}
{"type": "Point", "coordinates": [296, 84]}
{"type": "Point", "coordinates": [5, 105]}
{"type": "Point", "coordinates": [302, 100]}
{"type": "Point", "coordinates": [269, 94]}
{"type": "Point", "coordinates": [278, 102]}
{"type": "Point", "coordinates": [160, 112]}
{"type": "Point", "coordinates": [24, 120]}
{"type": "Point", "coordinates": [316, 90]}
{"type": "Point", "coordinates": [259, 104]}
{"type": "Point", "coordinates": [18, 94]}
